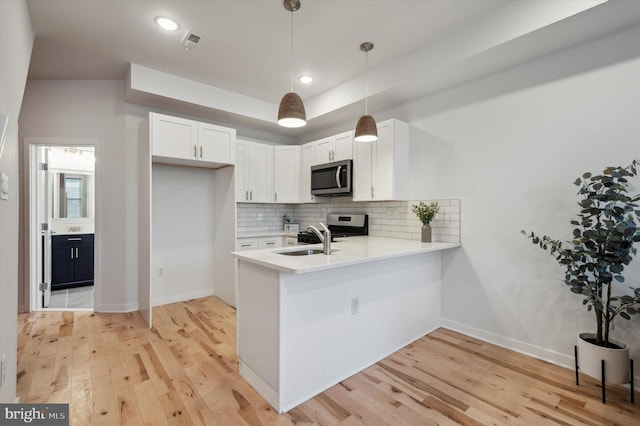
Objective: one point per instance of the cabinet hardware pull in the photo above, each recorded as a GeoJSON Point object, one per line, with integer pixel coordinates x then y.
{"type": "Point", "coordinates": [270, 243]}
{"type": "Point", "coordinates": [275, 196]}
{"type": "Point", "coordinates": [71, 252]}
{"type": "Point", "coordinates": [246, 195]}
{"type": "Point", "coordinates": [76, 252]}
{"type": "Point", "coordinates": [74, 239]}
{"type": "Point", "coordinates": [250, 195]}
{"type": "Point", "coordinates": [245, 245]}
{"type": "Point", "coordinates": [200, 151]}
{"type": "Point", "coordinates": [195, 151]}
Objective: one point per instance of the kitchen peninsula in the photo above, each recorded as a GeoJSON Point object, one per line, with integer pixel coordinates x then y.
{"type": "Point", "coordinates": [307, 322]}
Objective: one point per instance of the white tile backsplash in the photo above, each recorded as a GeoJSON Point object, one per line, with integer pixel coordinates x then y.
{"type": "Point", "coordinates": [386, 218]}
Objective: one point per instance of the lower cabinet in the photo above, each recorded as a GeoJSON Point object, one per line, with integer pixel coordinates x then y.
{"type": "Point", "coordinates": [71, 260]}
{"type": "Point", "coordinates": [259, 243]}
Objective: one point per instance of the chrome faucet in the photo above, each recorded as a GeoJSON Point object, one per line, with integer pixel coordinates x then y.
{"type": "Point", "coordinates": [326, 238]}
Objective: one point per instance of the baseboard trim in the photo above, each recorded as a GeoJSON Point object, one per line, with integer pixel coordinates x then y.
{"type": "Point", "coordinates": [534, 351]}
{"type": "Point", "coordinates": [182, 297]}
{"type": "Point", "coordinates": [117, 308]}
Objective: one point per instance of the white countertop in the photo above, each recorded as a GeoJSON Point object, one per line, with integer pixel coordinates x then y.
{"type": "Point", "coordinates": [347, 251]}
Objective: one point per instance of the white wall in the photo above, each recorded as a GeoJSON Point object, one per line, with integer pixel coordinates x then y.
{"type": "Point", "coordinates": [515, 152]}
{"type": "Point", "coordinates": [16, 42]}
{"type": "Point", "coordinates": [183, 233]}
{"type": "Point", "coordinates": [96, 109]}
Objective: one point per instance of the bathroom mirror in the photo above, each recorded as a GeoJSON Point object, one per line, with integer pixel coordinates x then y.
{"type": "Point", "coordinates": [72, 194]}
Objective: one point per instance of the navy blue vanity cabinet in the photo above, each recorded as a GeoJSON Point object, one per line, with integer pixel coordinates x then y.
{"type": "Point", "coordinates": [71, 260]}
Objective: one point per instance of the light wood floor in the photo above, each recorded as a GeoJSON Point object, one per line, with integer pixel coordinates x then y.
{"type": "Point", "coordinates": [112, 370]}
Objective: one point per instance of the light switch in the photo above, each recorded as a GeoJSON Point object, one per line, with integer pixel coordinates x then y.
{"type": "Point", "coordinates": [4, 186]}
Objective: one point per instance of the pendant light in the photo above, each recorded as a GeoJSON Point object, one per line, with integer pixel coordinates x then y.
{"type": "Point", "coordinates": [366, 129]}
{"type": "Point", "coordinates": [291, 111]}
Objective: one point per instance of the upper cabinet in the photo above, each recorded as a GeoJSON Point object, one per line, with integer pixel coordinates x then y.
{"type": "Point", "coordinates": [180, 141]}
{"type": "Point", "coordinates": [216, 144]}
{"type": "Point", "coordinates": [254, 172]}
{"type": "Point", "coordinates": [381, 168]}
{"type": "Point", "coordinates": [308, 158]}
{"type": "Point", "coordinates": [287, 173]}
{"type": "Point", "coordinates": [334, 148]}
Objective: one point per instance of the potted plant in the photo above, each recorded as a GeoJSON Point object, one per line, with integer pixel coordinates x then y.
{"type": "Point", "coordinates": [426, 213]}
{"type": "Point", "coordinates": [594, 262]}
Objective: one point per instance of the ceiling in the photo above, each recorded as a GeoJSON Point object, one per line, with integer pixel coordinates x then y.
{"type": "Point", "coordinates": [421, 47]}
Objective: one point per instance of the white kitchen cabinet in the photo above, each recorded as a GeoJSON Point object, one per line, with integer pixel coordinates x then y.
{"type": "Point", "coordinates": [181, 141]}
{"type": "Point", "coordinates": [381, 169]}
{"type": "Point", "coordinates": [287, 173]}
{"type": "Point", "coordinates": [255, 243]}
{"type": "Point", "coordinates": [216, 143]}
{"type": "Point", "coordinates": [334, 148]}
{"type": "Point", "coordinates": [308, 156]}
{"type": "Point", "coordinates": [254, 172]}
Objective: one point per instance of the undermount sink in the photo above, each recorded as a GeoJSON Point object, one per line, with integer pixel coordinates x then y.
{"type": "Point", "coordinates": [303, 252]}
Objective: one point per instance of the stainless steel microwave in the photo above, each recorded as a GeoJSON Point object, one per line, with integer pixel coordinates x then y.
{"type": "Point", "coordinates": [332, 178]}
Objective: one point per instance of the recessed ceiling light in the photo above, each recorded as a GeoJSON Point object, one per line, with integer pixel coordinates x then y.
{"type": "Point", "coordinates": [305, 79]}
{"type": "Point", "coordinates": [166, 23]}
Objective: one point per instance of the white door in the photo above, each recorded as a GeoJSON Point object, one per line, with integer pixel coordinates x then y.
{"type": "Point", "coordinates": [286, 174]}
{"type": "Point", "coordinates": [344, 146]}
{"type": "Point", "coordinates": [323, 151]}
{"type": "Point", "coordinates": [216, 144]}
{"type": "Point", "coordinates": [259, 164]}
{"type": "Point", "coordinates": [44, 199]}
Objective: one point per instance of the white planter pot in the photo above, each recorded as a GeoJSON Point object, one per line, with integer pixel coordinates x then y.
{"type": "Point", "coordinates": [616, 361]}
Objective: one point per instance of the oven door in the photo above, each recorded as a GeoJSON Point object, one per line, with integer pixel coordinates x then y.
{"type": "Point", "coordinates": [331, 178]}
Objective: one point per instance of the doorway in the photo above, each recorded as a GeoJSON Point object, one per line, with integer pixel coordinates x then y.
{"type": "Point", "coordinates": [62, 230]}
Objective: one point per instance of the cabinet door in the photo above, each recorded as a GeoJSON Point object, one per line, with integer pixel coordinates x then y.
{"type": "Point", "coordinates": [84, 261]}
{"type": "Point", "coordinates": [242, 193]}
{"type": "Point", "coordinates": [323, 151]}
{"type": "Point", "coordinates": [362, 170]}
{"type": "Point", "coordinates": [173, 137]}
{"type": "Point", "coordinates": [383, 173]}
{"type": "Point", "coordinates": [216, 144]}
{"type": "Point", "coordinates": [307, 161]}
{"type": "Point", "coordinates": [62, 261]}
{"type": "Point", "coordinates": [286, 174]}
{"type": "Point", "coordinates": [259, 165]}
{"type": "Point", "coordinates": [343, 146]}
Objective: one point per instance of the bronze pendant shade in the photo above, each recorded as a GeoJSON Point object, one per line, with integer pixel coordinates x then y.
{"type": "Point", "coordinates": [291, 112]}
{"type": "Point", "coordinates": [366, 128]}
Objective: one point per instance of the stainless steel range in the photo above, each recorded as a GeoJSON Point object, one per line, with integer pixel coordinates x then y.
{"type": "Point", "coordinates": [340, 225]}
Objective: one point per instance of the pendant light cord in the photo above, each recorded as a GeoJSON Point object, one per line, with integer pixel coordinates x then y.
{"type": "Point", "coordinates": [291, 57]}
{"type": "Point", "coordinates": [366, 84]}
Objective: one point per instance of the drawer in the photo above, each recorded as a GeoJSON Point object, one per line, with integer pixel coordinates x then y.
{"type": "Point", "coordinates": [246, 244]}
{"type": "Point", "coordinates": [269, 242]}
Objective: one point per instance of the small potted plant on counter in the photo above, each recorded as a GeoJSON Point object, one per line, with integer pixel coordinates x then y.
{"type": "Point", "coordinates": [426, 213]}
{"type": "Point", "coordinates": [594, 261]}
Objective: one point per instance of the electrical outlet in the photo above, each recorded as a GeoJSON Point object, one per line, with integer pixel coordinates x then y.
{"type": "Point", "coordinates": [161, 272]}
{"type": "Point", "coordinates": [3, 369]}
{"type": "Point", "coordinates": [355, 305]}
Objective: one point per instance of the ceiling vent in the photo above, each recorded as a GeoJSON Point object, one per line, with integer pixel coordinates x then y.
{"type": "Point", "coordinates": [190, 40]}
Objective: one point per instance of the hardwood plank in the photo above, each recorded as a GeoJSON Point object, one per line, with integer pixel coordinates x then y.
{"type": "Point", "coordinates": [184, 371]}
